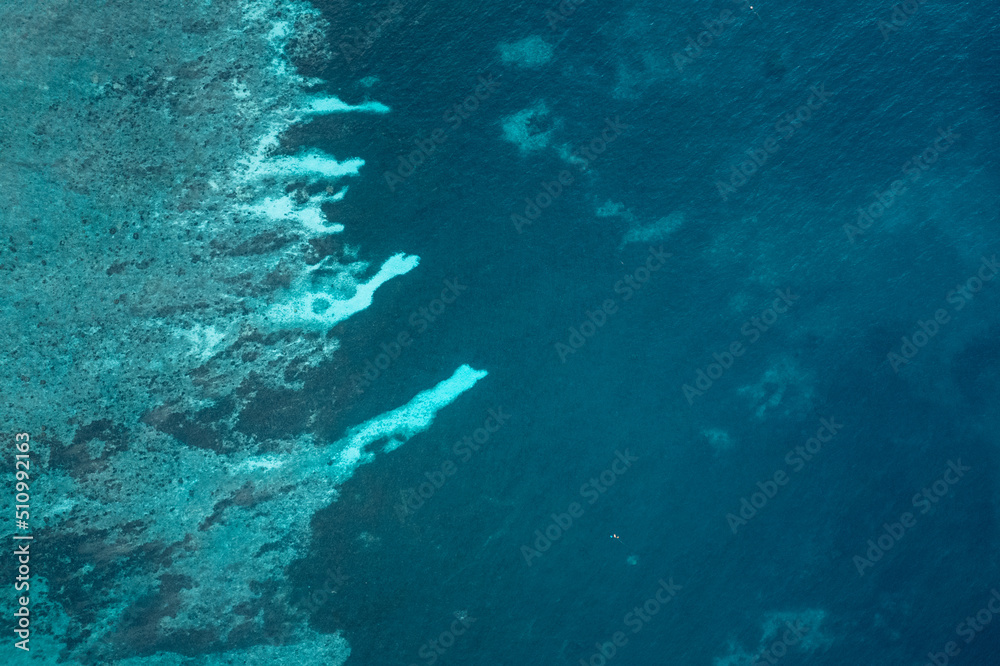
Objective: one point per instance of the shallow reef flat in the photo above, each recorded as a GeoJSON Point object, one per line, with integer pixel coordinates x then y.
{"type": "Point", "coordinates": [164, 260]}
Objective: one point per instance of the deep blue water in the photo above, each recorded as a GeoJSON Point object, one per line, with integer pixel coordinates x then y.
{"type": "Point", "coordinates": [783, 229]}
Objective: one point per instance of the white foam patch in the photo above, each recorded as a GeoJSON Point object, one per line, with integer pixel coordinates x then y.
{"type": "Point", "coordinates": [416, 416]}
{"type": "Point", "coordinates": [265, 463]}
{"type": "Point", "coordinates": [279, 34]}
{"type": "Point", "coordinates": [309, 215]}
{"type": "Point", "coordinates": [205, 341]}
{"type": "Point", "coordinates": [309, 309]}
{"type": "Point", "coordinates": [529, 52]}
{"type": "Point", "coordinates": [312, 164]}
{"type": "Point", "coordinates": [325, 105]}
